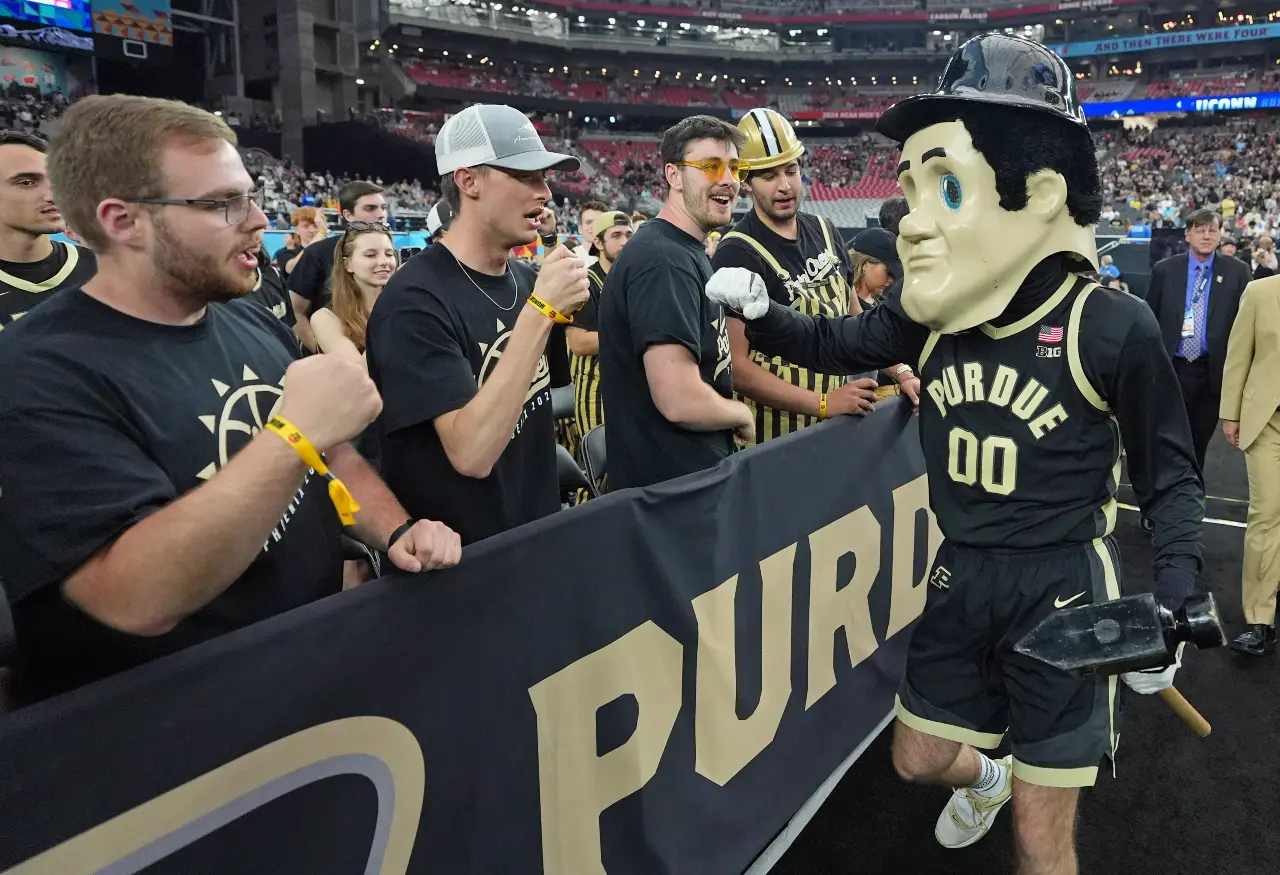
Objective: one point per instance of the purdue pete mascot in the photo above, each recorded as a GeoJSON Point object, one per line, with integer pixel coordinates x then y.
{"type": "Point", "coordinates": [1034, 376]}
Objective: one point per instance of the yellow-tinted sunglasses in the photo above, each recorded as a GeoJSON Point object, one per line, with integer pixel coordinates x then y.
{"type": "Point", "coordinates": [714, 168]}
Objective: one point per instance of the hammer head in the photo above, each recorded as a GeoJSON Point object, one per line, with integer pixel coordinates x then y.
{"type": "Point", "coordinates": [1127, 634]}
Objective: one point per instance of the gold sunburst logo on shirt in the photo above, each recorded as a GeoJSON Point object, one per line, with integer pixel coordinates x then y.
{"type": "Point", "coordinates": [492, 353]}
{"type": "Point", "coordinates": [245, 409]}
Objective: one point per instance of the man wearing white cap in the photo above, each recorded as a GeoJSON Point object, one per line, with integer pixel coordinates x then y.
{"type": "Point", "coordinates": [456, 343]}
{"type": "Point", "coordinates": [438, 221]}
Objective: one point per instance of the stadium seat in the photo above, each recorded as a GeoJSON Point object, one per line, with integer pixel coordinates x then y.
{"type": "Point", "coordinates": [593, 456]}
{"type": "Point", "coordinates": [572, 477]}
{"type": "Point", "coordinates": [562, 402]}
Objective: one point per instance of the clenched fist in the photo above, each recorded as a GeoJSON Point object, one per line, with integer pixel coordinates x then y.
{"type": "Point", "coordinates": [425, 547]}
{"type": "Point", "coordinates": [740, 290]}
{"type": "Point", "coordinates": [330, 399]}
{"type": "Point", "coordinates": [562, 282]}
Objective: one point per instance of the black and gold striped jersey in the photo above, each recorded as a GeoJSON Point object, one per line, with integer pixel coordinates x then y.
{"type": "Point", "coordinates": [588, 407]}
{"type": "Point", "coordinates": [24, 285]}
{"type": "Point", "coordinates": [811, 274]}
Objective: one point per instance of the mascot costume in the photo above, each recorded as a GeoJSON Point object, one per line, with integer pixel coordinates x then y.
{"type": "Point", "coordinates": [1033, 377]}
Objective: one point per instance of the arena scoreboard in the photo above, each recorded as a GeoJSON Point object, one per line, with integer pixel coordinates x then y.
{"type": "Point", "coordinates": [69, 14]}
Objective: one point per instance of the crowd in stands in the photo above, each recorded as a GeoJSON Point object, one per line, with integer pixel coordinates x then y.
{"type": "Point", "coordinates": [1151, 179]}
{"type": "Point", "coordinates": [287, 187]}
{"type": "Point", "coordinates": [25, 110]}
{"type": "Point", "coordinates": [1157, 178]}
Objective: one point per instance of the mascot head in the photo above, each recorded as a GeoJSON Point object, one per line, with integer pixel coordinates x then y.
{"type": "Point", "coordinates": [999, 172]}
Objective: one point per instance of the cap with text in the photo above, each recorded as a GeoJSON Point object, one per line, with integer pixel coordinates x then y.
{"type": "Point", "coordinates": [497, 136]}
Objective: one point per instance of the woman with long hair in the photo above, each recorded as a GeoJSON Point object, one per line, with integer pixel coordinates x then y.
{"type": "Point", "coordinates": [870, 280]}
{"type": "Point", "coordinates": [365, 260]}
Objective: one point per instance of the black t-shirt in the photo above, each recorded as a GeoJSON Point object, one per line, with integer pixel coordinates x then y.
{"type": "Point", "coordinates": [23, 285]}
{"type": "Point", "coordinates": [311, 275]}
{"type": "Point", "coordinates": [282, 259]}
{"type": "Point", "coordinates": [270, 292]}
{"type": "Point", "coordinates": [654, 294]}
{"type": "Point", "coordinates": [433, 339]}
{"type": "Point", "coordinates": [105, 419]}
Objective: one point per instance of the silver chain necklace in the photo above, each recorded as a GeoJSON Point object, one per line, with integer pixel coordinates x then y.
{"type": "Point", "coordinates": [515, 290]}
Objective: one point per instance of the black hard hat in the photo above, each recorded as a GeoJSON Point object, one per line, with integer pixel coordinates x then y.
{"type": "Point", "coordinates": [993, 68]}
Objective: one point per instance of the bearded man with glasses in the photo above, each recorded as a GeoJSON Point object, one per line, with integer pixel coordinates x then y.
{"type": "Point", "coordinates": [171, 472]}
{"type": "Point", "coordinates": [665, 365]}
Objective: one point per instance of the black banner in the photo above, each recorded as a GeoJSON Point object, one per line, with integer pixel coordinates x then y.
{"type": "Point", "coordinates": [651, 683]}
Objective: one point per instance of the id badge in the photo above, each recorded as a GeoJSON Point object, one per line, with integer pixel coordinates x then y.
{"type": "Point", "coordinates": [1189, 324]}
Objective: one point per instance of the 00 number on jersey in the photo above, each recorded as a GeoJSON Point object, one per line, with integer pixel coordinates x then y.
{"type": "Point", "coordinates": [991, 462]}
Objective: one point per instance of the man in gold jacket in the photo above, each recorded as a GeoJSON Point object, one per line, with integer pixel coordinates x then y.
{"type": "Point", "coordinates": [1250, 398]}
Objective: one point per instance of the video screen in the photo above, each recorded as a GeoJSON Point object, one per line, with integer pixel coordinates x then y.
{"type": "Point", "coordinates": [68, 14]}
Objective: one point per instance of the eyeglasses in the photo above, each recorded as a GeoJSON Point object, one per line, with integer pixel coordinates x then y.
{"type": "Point", "coordinates": [236, 209]}
{"type": "Point", "coordinates": [714, 168]}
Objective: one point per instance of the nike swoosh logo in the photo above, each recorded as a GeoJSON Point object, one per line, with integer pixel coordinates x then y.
{"type": "Point", "coordinates": [1062, 603]}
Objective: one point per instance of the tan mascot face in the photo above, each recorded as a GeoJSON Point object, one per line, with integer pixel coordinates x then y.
{"type": "Point", "coordinates": [964, 256]}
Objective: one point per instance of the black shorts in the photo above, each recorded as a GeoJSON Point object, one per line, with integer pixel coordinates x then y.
{"type": "Point", "coordinates": [964, 682]}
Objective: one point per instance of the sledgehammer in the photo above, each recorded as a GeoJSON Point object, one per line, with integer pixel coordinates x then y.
{"type": "Point", "coordinates": [1127, 634]}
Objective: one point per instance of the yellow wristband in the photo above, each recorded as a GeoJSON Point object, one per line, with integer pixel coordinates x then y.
{"type": "Point", "coordinates": [822, 406]}
{"type": "Point", "coordinates": [341, 497]}
{"type": "Point", "coordinates": [550, 312]}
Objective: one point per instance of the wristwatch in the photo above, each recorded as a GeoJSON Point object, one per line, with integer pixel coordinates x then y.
{"type": "Point", "coordinates": [897, 372]}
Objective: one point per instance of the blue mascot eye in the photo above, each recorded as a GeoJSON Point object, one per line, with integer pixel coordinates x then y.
{"type": "Point", "coordinates": [951, 193]}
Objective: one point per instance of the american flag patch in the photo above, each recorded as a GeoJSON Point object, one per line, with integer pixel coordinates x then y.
{"type": "Point", "coordinates": [1050, 335]}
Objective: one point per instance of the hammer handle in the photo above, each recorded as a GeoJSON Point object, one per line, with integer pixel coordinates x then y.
{"type": "Point", "coordinates": [1183, 709]}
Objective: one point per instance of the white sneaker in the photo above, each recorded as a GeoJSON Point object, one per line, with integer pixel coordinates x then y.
{"type": "Point", "coordinates": [969, 815]}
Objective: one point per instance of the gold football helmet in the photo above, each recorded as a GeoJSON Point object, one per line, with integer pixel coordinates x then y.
{"type": "Point", "coordinates": [771, 141]}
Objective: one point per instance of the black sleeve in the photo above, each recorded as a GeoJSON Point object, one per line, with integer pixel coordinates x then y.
{"type": "Point", "coordinates": [588, 316]}
{"type": "Point", "coordinates": [309, 279]}
{"type": "Point", "coordinates": [557, 353]}
{"type": "Point", "coordinates": [283, 257]}
{"type": "Point", "coordinates": [664, 304]}
{"type": "Point", "coordinates": [842, 345]}
{"type": "Point", "coordinates": [422, 365]}
{"type": "Point", "coordinates": [1126, 358]}
{"type": "Point", "coordinates": [106, 482]}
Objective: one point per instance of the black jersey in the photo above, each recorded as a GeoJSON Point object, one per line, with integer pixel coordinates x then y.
{"type": "Point", "coordinates": [24, 285]}
{"type": "Point", "coordinates": [1032, 450]}
{"type": "Point", "coordinates": [1021, 425]}
{"type": "Point", "coordinates": [811, 274]}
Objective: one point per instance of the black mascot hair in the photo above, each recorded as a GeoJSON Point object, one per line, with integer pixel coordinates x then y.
{"type": "Point", "coordinates": [1018, 143]}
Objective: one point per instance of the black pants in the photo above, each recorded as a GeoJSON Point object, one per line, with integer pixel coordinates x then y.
{"type": "Point", "coordinates": [1201, 400]}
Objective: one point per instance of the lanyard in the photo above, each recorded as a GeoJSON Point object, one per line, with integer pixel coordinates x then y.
{"type": "Point", "coordinates": [1202, 283]}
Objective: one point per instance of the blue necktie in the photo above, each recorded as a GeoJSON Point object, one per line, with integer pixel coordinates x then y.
{"type": "Point", "coordinates": [1189, 349]}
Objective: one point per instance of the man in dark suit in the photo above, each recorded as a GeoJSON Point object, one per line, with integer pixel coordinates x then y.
{"type": "Point", "coordinates": [1195, 297]}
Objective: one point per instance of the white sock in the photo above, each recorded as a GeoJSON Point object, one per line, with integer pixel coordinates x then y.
{"type": "Point", "coordinates": [990, 776]}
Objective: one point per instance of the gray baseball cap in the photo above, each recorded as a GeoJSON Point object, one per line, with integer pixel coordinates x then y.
{"type": "Point", "coordinates": [498, 136]}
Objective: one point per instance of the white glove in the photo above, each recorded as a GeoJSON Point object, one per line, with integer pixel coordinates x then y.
{"type": "Point", "coordinates": [739, 289]}
{"type": "Point", "coordinates": [1147, 682]}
